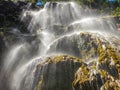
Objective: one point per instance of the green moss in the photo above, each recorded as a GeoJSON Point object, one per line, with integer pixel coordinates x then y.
{"type": "Point", "coordinates": [108, 53]}
{"type": "Point", "coordinates": [110, 85]}
{"type": "Point", "coordinates": [103, 73]}
{"type": "Point", "coordinates": [56, 59]}
{"type": "Point", "coordinates": [38, 87]}
{"type": "Point", "coordinates": [81, 75]}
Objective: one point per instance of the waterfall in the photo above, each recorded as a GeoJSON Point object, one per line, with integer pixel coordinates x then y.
{"type": "Point", "coordinates": [58, 28]}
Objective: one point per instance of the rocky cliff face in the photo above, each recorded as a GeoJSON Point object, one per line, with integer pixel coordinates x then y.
{"type": "Point", "coordinates": [9, 20]}
{"type": "Point", "coordinates": [97, 69]}
{"type": "Point", "coordinates": [65, 72]}
{"type": "Point", "coordinates": [77, 60]}
{"type": "Point", "coordinates": [12, 29]}
{"type": "Point", "coordinates": [57, 73]}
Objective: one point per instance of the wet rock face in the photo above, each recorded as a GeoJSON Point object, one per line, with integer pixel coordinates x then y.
{"type": "Point", "coordinates": [56, 75]}
{"type": "Point", "coordinates": [100, 73]}
{"type": "Point", "coordinates": [11, 26]}
{"type": "Point", "coordinates": [85, 79]}
{"type": "Point", "coordinates": [69, 73]}
{"type": "Point", "coordinates": [49, 74]}
{"type": "Point", "coordinates": [2, 47]}
{"type": "Point", "coordinates": [103, 73]}
{"type": "Point", "coordinates": [98, 69]}
{"type": "Point", "coordinates": [63, 72]}
{"type": "Point", "coordinates": [109, 59]}
{"type": "Point", "coordinates": [82, 45]}
{"type": "Point", "coordinates": [9, 18]}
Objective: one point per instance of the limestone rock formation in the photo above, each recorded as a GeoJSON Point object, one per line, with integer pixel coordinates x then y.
{"type": "Point", "coordinates": [69, 73]}
{"type": "Point", "coordinates": [56, 73]}
{"type": "Point", "coordinates": [74, 59]}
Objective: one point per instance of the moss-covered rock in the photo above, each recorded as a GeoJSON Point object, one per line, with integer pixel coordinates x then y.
{"type": "Point", "coordinates": [109, 59]}
{"type": "Point", "coordinates": [56, 73]}
{"type": "Point", "coordinates": [86, 79]}
{"type": "Point", "coordinates": [102, 73]}
{"type": "Point", "coordinates": [98, 68]}
{"type": "Point", "coordinates": [111, 85]}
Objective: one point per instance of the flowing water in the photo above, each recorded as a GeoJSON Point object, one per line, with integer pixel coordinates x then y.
{"type": "Point", "coordinates": [55, 26]}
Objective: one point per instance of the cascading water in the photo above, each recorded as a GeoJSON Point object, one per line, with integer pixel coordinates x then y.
{"type": "Point", "coordinates": [58, 28]}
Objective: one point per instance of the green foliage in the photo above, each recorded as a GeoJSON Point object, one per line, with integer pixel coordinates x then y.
{"type": "Point", "coordinates": [116, 12]}
{"type": "Point", "coordinates": [56, 59]}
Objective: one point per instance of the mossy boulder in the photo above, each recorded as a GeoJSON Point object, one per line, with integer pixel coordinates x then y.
{"type": "Point", "coordinates": [109, 59]}
{"type": "Point", "coordinates": [56, 73]}
{"type": "Point", "coordinates": [94, 79]}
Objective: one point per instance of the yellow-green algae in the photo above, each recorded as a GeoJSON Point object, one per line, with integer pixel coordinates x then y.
{"type": "Point", "coordinates": [38, 87]}
{"type": "Point", "coordinates": [56, 59]}
{"type": "Point", "coordinates": [88, 48]}
{"type": "Point", "coordinates": [109, 56]}
{"type": "Point", "coordinates": [110, 85]}
{"type": "Point", "coordinates": [84, 75]}
{"type": "Point", "coordinates": [106, 55]}
{"type": "Point", "coordinates": [81, 75]}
